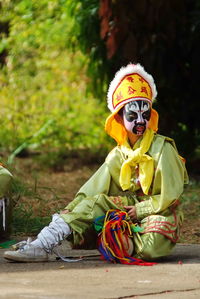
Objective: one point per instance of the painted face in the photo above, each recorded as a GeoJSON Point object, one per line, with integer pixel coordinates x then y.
{"type": "Point", "coordinates": [136, 115]}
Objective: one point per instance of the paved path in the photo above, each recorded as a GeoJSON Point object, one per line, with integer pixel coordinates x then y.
{"type": "Point", "coordinates": [177, 276]}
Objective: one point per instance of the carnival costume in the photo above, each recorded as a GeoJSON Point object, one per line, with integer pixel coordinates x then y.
{"type": "Point", "coordinates": [151, 175]}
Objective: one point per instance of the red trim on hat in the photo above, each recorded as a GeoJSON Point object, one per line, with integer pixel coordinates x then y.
{"type": "Point", "coordinates": [134, 99]}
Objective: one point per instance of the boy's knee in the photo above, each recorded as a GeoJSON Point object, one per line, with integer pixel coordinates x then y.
{"type": "Point", "coordinates": [154, 246]}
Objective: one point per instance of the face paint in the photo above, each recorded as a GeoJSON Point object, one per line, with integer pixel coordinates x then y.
{"type": "Point", "coordinates": [136, 115]}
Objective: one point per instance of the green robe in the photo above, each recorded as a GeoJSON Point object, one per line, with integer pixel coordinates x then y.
{"type": "Point", "coordinates": [158, 213]}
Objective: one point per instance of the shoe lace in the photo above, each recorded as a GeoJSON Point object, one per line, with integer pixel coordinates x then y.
{"type": "Point", "coordinates": [20, 245]}
{"type": "Point", "coordinates": [65, 259]}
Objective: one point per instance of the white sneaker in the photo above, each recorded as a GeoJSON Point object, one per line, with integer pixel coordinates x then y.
{"type": "Point", "coordinates": [26, 253]}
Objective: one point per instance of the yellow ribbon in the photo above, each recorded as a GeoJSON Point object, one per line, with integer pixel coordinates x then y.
{"type": "Point", "coordinates": [138, 157]}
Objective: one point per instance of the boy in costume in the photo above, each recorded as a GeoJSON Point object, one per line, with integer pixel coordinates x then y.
{"type": "Point", "coordinates": [143, 175]}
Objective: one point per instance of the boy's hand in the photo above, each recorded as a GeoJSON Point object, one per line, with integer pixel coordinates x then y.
{"type": "Point", "coordinates": [131, 210]}
{"type": "Point", "coordinates": [64, 212]}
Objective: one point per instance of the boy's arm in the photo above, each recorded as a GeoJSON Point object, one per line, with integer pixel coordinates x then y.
{"type": "Point", "coordinates": [168, 184]}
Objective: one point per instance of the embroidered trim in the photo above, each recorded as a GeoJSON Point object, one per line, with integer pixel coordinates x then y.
{"type": "Point", "coordinates": [164, 228]}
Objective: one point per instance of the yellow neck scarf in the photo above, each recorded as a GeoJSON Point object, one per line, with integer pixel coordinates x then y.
{"type": "Point", "coordinates": [137, 156]}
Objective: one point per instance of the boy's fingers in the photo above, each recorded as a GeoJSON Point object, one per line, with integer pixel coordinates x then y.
{"type": "Point", "coordinates": [127, 207]}
{"type": "Point", "coordinates": [64, 212]}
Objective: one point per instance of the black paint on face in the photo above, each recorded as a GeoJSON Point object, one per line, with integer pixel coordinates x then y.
{"type": "Point", "coordinates": [136, 115]}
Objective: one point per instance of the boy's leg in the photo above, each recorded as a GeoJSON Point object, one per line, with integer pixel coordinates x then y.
{"type": "Point", "coordinates": [160, 234]}
{"type": "Point", "coordinates": [79, 221]}
{"type": "Point", "coordinates": [49, 237]}
{"type": "Point", "coordinates": [151, 246]}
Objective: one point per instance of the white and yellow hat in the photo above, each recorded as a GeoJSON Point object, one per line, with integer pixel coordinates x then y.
{"type": "Point", "coordinates": [130, 83]}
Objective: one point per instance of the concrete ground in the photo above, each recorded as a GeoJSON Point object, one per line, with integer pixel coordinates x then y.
{"type": "Point", "coordinates": [177, 276]}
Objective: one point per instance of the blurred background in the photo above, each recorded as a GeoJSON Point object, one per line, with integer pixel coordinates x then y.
{"type": "Point", "coordinates": [57, 58]}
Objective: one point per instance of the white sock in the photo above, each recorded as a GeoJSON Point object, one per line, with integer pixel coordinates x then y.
{"type": "Point", "coordinates": [52, 235]}
{"type": "Point", "coordinates": [37, 243]}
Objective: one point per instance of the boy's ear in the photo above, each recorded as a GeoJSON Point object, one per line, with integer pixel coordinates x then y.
{"type": "Point", "coordinates": [119, 117]}
{"type": "Point", "coordinates": [120, 113]}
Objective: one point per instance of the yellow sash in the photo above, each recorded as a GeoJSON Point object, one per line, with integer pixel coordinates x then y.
{"type": "Point", "coordinates": [137, 156]}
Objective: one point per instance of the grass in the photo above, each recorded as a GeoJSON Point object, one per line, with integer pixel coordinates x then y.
{"type": "Point", "coordinates": [31, 210]}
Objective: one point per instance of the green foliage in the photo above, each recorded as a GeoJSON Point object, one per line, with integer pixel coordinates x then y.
{"type": "Point", "coordinates": [44, 83]}
{"type": "Point", "coordinates": [85, 35]}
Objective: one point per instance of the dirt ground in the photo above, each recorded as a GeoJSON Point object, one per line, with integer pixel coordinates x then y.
{"type": "Point", "coordinates": [55, 187]}
{"type": "Point", "coordinates": [52, 190]}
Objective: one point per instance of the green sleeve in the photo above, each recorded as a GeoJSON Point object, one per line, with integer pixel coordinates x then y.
{"type": "Point", "coordinates": [168, 184]}
{"type": "Point", "coordinates": [97, 184]}
{"type": "Point", "coordinates": [5, 180]}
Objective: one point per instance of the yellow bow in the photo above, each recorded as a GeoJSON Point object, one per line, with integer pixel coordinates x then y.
{"type": "Point", "coordinates": [138, 157]}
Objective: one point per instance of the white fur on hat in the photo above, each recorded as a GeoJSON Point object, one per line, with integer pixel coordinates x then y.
{"type": "Point", "coordinates": [124, 71]}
